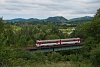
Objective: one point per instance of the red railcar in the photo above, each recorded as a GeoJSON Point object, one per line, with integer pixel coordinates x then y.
{"type": "Point", "coordinates": [71, 41]}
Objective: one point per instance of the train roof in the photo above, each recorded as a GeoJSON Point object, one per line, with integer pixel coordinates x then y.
{"type": "Point", "coordinates": [56, 39]}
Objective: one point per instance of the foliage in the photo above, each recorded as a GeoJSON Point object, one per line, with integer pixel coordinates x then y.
{"type": "Point", "coordinates": [95, 56]}
{"type": "Point", "coordinates": [90, 35]}
{"type": "Point", "coordinates": [11, 40]}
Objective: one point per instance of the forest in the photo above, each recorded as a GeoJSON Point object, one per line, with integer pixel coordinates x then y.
{"type": "Point", "coordinates": [16, 37]}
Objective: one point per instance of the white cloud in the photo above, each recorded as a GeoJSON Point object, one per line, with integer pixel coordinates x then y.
{"type": "Point", "coordinates": [46, 8]}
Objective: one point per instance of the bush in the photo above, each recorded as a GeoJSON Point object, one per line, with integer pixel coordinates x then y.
{"type": "Point", "coordinates": [95, 56]}
{"type": "Point", "coordinates": [54, 57]}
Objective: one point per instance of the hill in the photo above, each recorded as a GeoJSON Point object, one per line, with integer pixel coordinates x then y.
{"type": "Point", "coordinates": [55, 19]}
{"type": "Point", "coordinates": [80, 19]}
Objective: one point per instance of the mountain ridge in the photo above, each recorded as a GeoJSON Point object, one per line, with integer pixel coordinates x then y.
{"type": "Point", "coordinates": [56, 19]}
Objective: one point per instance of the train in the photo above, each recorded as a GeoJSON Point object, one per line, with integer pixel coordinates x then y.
{"type": "Point", "coordinates": [57, 42]}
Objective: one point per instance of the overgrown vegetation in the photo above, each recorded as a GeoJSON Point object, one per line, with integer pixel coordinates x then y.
{"type": "Point", "coordinates": [15, 36]}
{"type": "Point", "coordinates": [90, 35]}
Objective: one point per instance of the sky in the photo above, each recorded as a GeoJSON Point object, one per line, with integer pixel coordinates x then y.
{"type": "Point", "coordinates": [41, 9]}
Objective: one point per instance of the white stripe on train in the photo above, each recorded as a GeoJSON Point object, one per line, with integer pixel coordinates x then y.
{"type": "Point", "coordinates": [57, 42]}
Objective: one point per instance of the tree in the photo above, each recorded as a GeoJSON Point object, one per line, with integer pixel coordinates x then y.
{"type": "Point", "coordinates": [95, 56]}
{"type": "Point", "coordinates": [52, 36]}
{"type": "Point", "coordinates": [89, 29]}
{"type": "Point", "coordinates": [1, 25]}
{"type": "Point", "coordinates": [97, 15]}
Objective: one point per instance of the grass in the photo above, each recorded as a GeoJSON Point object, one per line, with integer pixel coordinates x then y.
{"type": "Point", "coordinates": [58, 64]}
{"type": "Point", "coordinates": [16, 28]}
{"type": "Point", "coordinates": [68, 30]}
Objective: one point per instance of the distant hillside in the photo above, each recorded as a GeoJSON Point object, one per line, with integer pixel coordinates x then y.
{"type": "Point", "coordinates": [24, 20]}
{"type": "Point", "coordinates": [17, 20]}
{"type": "Point", "coordinates": [81, 19]}
{"type": "Point", "coordinates": [56, 19]}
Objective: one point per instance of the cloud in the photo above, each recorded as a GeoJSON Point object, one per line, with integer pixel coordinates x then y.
{"type": "Point", "coordinates": [45, 8]}
{"type": "Point", "coordinates": [91, 1]}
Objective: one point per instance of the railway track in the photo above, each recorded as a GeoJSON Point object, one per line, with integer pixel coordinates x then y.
{"type": "Point", "coordinates": [55, 48]}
